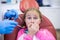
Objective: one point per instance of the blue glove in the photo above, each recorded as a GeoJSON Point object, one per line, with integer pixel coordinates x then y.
{"type": "Point", "coordinates": [7, 26]}
{"type": "Point", "coordinates": [11, 14]}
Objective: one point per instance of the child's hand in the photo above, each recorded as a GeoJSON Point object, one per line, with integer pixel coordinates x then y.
{"type": "Point", "coordinates": [33, 28]}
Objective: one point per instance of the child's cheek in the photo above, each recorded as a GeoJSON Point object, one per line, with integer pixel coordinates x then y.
{"type": "Point", "coordinates": [37, 22]}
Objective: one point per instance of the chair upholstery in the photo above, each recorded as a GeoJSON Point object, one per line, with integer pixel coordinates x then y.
{"type": "Point", "coordinates": [45, 24]}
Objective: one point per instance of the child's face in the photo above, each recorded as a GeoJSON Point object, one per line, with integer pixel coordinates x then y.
{"type": "Point", "coordinates": [32, 17]}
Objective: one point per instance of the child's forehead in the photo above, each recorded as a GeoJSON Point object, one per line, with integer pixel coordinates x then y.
{"type": "Point", "coordinates": [32, 13]}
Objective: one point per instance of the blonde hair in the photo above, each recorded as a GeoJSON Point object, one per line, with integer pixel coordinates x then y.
{"type": "Point", "coordinates": [31, 9]}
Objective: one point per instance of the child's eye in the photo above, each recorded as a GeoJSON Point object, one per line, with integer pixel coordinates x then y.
{"type": "Point", "coordinates": [35, 18]}
{"type": "Point", "coordinates": [29, 18]}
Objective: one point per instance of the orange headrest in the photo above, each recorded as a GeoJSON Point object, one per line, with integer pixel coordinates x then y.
{"type": "Point", "coordinates": [26, 4]}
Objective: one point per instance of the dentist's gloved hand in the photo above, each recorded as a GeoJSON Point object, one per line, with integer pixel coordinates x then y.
{"type": "Point", "coordinates": [11, 14]}
{"type": "Point", "coordinates": [7, 26]}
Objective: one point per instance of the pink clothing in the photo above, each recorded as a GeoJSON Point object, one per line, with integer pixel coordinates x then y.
{"type": "Point", "coordinates": [42, 34]}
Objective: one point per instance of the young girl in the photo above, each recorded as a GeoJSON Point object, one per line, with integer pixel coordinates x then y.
{"type": "Point", "coordinates": [32, 30]}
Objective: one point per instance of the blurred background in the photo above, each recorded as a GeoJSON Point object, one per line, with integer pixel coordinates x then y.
{"type": "Point", "coordinates": [49, 8]}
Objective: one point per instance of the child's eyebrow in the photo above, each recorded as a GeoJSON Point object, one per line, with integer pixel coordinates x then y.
{"type": "Point", "coordinates": [27, 15]}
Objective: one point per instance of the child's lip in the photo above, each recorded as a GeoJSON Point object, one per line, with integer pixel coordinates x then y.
{"type": "Point", "coordinates": [32, 22]}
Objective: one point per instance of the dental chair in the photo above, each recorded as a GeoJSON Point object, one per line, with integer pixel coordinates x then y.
{"type": "Point", "coordinates": [45, 24]}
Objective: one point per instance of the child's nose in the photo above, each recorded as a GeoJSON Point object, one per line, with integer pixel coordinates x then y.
{"type": "Point", "coordinates": [32, 20]}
